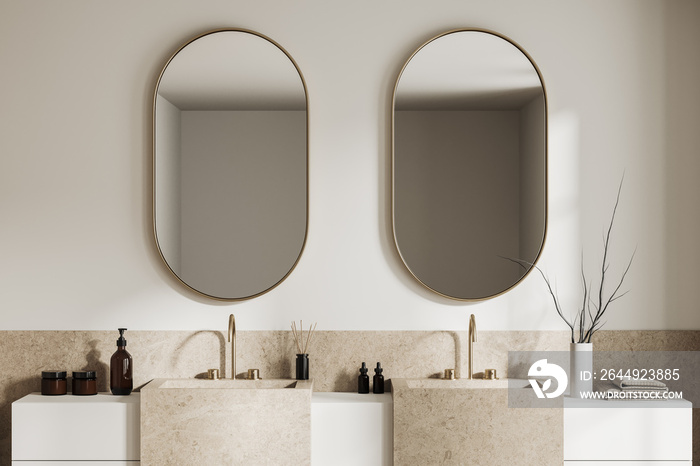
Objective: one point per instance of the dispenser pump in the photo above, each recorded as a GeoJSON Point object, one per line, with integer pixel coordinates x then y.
{"type": "Point", "coordinates": [121, 341]}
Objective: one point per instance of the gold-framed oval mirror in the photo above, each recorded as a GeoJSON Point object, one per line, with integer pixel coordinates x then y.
{"type": "Point", "coordinates": [230, 164]}
{"type": "Point", "coordinates": [469, 164]}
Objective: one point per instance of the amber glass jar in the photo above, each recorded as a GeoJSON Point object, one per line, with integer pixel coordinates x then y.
{"type": "Point", "coordinates": [53, 383]}
{"type": "Point", "coordinates": [84, 383]}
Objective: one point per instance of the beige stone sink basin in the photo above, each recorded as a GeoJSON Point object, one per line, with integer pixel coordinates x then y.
{"type": "Point", "coordinates": [469, 384]}
{"type": "Point", "coordinates": [467, 421]}
{"type": "Point", "coordinates": [197, 421]}
{"type": "Point", "coordinates": [457, 383]}
{"type": "Point", "coordinates": [265, 384]}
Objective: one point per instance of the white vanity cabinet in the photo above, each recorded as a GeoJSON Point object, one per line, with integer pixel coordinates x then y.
{"type": "Point", "coordinates": [626, 433]}
{"type": "Point", "coordinates": [348, 429]}
{"type": "Point", "coordinates": [71, 430]}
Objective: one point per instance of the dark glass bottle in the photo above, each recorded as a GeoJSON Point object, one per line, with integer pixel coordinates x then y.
{"type": "Point", "coordinates": [121, 368]}
{"type": "Point", "coordinates": [363, 380]}
{"type": "Point", "coordinates": [378, 380]}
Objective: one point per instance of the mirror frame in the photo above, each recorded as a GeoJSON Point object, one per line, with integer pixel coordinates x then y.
{"type": "Point", "coordinates": [153, 164]}
{"type": "Point", "coordinates": [546, 162]}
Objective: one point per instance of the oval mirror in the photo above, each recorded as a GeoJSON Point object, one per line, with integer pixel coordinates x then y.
{"type": "Point", "coordinates": [469, 164]}
{"type": "Point", "coordinates": [230, 164]}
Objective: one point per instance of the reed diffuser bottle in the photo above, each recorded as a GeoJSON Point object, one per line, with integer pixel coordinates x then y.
{"type": "Point", "coordinates": [302, 363]}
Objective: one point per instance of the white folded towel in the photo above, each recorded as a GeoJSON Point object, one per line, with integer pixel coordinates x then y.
{"type": "Point", "coordinates": [627, 383]}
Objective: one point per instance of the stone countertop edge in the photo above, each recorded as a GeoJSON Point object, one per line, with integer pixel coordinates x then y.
{"type": "Point", "coordinates": [396, 384]}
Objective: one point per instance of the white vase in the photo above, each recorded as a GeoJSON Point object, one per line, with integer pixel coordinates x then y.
{"type": "Point", "coordinates": [580, 369]}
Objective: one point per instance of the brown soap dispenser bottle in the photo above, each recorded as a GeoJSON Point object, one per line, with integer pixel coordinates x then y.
{"type": "Point", "coordinates": [120, 368]}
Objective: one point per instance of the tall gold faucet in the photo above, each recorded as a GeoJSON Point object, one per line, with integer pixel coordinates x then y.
{"type": "Point", "coordinates": [472, 340]}
{"type": "Point", "coordinates": [232, 339]}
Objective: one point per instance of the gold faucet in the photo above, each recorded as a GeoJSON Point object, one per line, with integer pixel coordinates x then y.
{"type": "Point", "coordinates": [232, 339]}
{"type": "Point", "coordinates": [472, 340]}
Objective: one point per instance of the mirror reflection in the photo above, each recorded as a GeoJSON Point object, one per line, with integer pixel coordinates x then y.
{"type": "Point", "coordinates": [230, 164]}
{"type": "Point", "coordinates": [469, 164]}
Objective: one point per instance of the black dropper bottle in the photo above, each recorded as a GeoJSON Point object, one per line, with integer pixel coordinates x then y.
{"type": "Point", "coordinates": [378, 380]}
{"type": "Point", "coordinates": [120, 368]}
{"type": "Point", "coordinates": [363, 380]}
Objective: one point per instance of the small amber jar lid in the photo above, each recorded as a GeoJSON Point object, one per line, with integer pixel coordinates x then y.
{"type": "Point", "coordinates": [84, 383]}
{"type": "Point", "coordinates": [53, 383]}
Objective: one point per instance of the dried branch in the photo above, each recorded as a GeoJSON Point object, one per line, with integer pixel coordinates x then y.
{"type": "Point", "coordinates": [523, 263]}
{"type": "Point", "coordinates": [586, 322]}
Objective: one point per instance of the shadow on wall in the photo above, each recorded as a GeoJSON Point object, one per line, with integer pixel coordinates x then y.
{"type": "Point", "coordinates": [12, 392]}
{"type": "Point", "coordinates": [681, 118]}
{"type": "Point", "coordinates": [175, 359]}
{"type": "Point", "coordinates": [93, 362]}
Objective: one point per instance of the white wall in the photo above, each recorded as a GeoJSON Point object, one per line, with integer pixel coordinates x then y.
{"type": "Point", "coordinates": [76, 248]}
